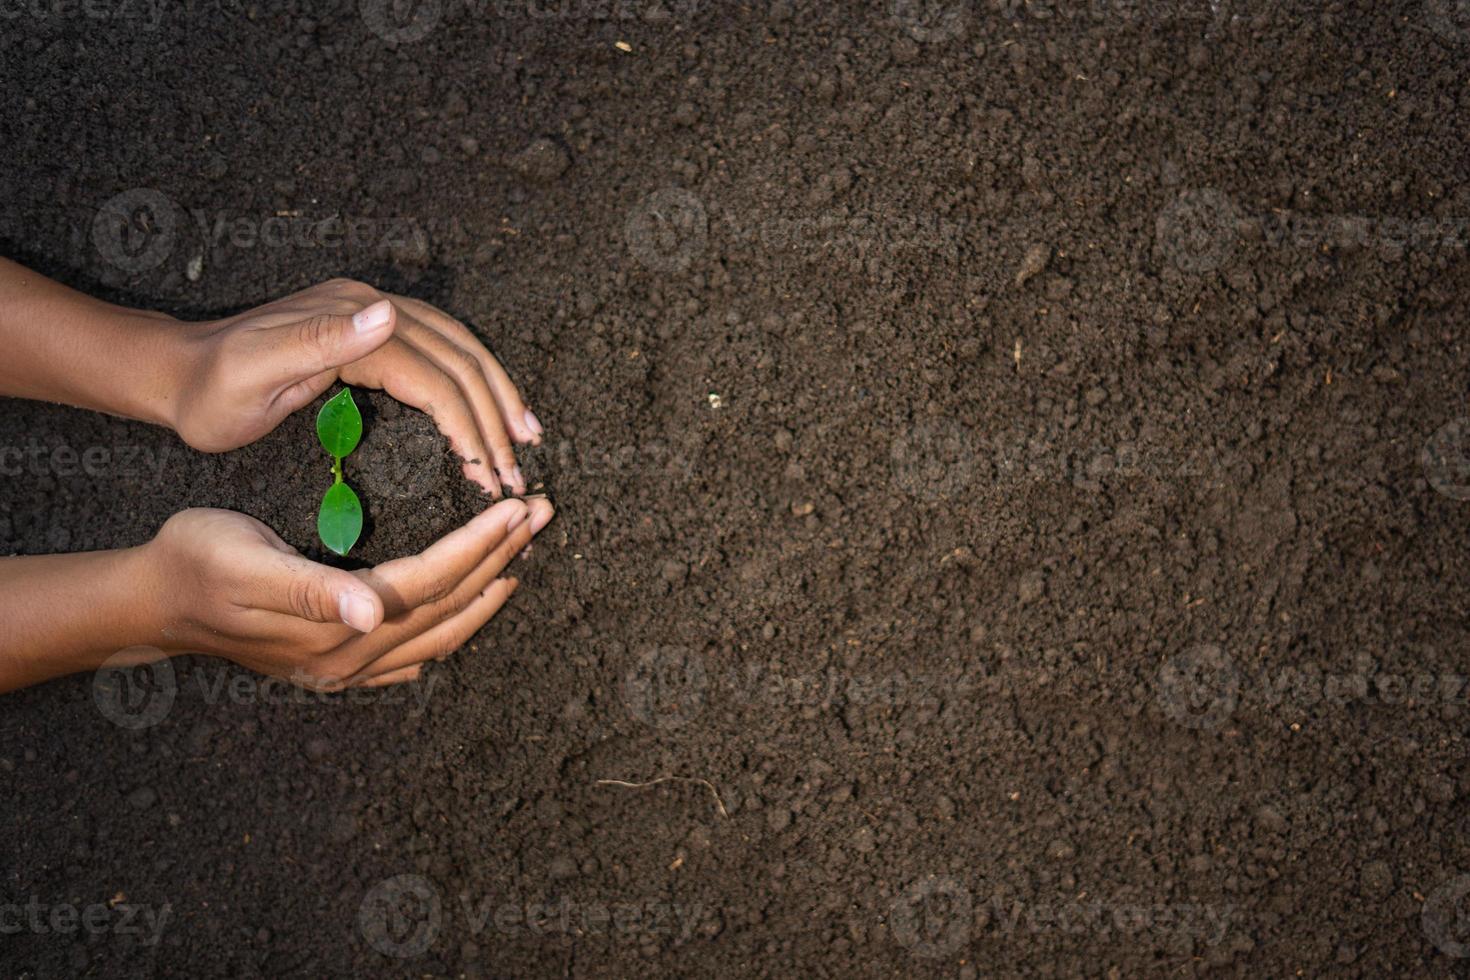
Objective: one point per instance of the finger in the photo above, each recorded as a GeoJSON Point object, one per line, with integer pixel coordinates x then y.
{"type": "Point", "coordinates": [464, 367]}
{"type": "Point", "coordinates": [286, 582]}
{"type": "Point", "coordinates": [406, 584]}
{"type": "Point", "coordinates": [520, 420]}
{"type": "Point", "coordinates": [416, 621]}
{"type": "Point", "coordinates": [440, 641]}
{"type": "Point", "coordinates": [308, 347]}
{"type": "Point", "coordinates": [392, 677]}
{"type": "Point", "coordinates": [409, 376]}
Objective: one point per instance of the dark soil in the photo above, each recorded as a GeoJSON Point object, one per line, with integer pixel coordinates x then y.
{"type": "Point", "coordinates": [996, 451]}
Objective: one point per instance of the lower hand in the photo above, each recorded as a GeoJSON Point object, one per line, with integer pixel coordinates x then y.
{"type": "Point", "coordinates": [229, 586]}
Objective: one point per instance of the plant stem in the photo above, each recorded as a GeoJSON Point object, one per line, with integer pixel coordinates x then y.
{"type": "Point", "coordinates": [336, 469]}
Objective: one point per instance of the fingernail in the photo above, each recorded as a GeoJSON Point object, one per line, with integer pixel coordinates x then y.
{"type": "Point", "coordinates": [514, 521]}
{"type": "Point", "coordinates": [541, 518]}
{"type": "Point", "coordinates": [533, 423]}
{"type": "Point", "coordinates": [525, 552]}
{"type": "Point", "coordinates": [372, 318]}
{"type": "Point", "coordinates": [356, 612]}
{"type": "Point", "coordinates": [518, 479]}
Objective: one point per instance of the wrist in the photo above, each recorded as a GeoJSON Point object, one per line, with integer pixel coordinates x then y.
{"type": "Point", "coordinates": [166, 355]}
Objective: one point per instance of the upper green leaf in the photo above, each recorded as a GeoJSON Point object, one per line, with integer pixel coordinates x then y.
{"type": "Point", "coordinates": [339, 424]}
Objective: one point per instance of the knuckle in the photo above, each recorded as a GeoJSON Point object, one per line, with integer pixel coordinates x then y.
{"type": "Point", "coordinates": [352, 289]}
{"type": "Point", "coordinates": [304, 599]}
{"type": "Point", "coordinates": [314, 334]}
{"type": "Point", "coordinates": [464, 360]}
{"type": "Point", "coordinates": [439, 587]}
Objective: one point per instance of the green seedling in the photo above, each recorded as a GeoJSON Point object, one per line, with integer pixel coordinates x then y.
{"type": "Point", "coordinates": [339, 427]}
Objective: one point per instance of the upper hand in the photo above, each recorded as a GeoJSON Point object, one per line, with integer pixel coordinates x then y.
{"type": "Point", "coordinates": [249, 371]}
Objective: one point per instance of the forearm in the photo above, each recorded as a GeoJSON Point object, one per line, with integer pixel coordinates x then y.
{"type": "Point", "coordinates": [61, 614]}
{"type": "Point", "coordinates": [63, 346]}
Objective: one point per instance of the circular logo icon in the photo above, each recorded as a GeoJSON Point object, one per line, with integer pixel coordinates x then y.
{"type": "Point", "coordinates": [1446, 459]}
{"type": "Point", "coordinates": [665, 688]}
{"type": "Point", "coordinates": [933, 916]}
{"type": "Point", "coordinates": [930, 21]}
{"type": "Point", "coordinates": [1197, 232]}
{"type": "Point", "coordinates": [402, 21]}
{"type": "Point", "coordinates": [1199, 688]}
{"type": "Point", "coordinates": [1446, 917]}
{"type": "Point", "coordinates": [1450, 19]}
{"type": "Point", "coordinates": [135, 231]}
{"type": "Point", "coordinates": [667, 230]}
{"type": "Point", "coordinates": [934, 460]}
{"type": "Point", "coordinates": [135, 688]}
{"type": "Point", "coordinates": [401, 916]}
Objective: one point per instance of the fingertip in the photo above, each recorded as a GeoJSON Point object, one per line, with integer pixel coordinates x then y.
{"type": "Point", "coordinates": [380, 317]}
{"type": "Point", "coordinates": [508, 514]}
{"type": "Point", "coordinates": [542, 512]}
{"type": "Point", "coordinates": [362, 611]}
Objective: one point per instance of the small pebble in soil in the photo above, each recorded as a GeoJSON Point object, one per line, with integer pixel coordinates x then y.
{"type": "Point", "coordinates": [1037, 256]}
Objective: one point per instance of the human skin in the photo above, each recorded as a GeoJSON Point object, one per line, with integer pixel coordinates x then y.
{"type": "Point", "coordinates": [217, 582]}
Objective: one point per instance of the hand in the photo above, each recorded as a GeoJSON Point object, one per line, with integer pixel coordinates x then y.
{"type": "Point", "coordinates": [248, 372]}
{"type": "Point", "coordinates": [232, 588]}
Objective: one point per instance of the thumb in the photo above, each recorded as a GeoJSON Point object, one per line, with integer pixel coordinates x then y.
{"type": "Point", "coordinates": [325, 342]}
{"type": "Point", "coordinates": [318, 593]}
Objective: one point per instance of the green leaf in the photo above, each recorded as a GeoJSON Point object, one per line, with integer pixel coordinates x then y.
{"type": "Point", "coordinates": [339, 424]}
{"type": "Point", "coordinates": [339, 522]}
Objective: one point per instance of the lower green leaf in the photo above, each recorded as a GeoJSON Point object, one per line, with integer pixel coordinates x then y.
{"type": "Point", "coordinates": [339, 522]}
